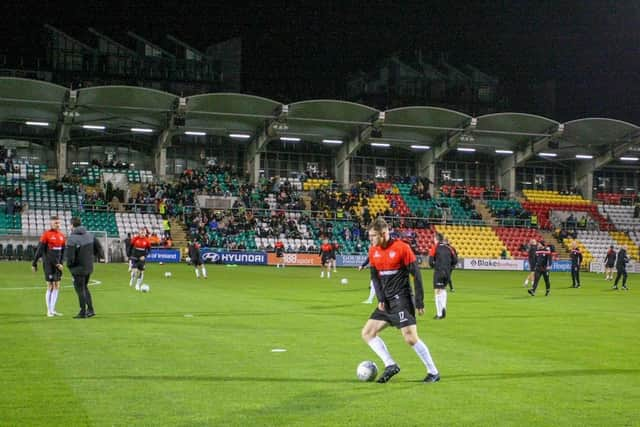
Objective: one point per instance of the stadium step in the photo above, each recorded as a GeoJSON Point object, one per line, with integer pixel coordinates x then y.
{"type": "Point", "coordinates": [484, 212]}
{"type": "Point", "coordinates": [178, 233]}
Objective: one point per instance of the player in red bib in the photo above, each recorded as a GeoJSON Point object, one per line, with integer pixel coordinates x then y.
{"type": "Point", "coordinates": [279, 247]}
{"type": "Point", "coordinates": [326, 254]}
{"type": "Point", "coordinates": [51, 250]}
{"type": "Point", "coordinates": [392, 261]}
{"type": "Point", "coordinates": [140, 247]}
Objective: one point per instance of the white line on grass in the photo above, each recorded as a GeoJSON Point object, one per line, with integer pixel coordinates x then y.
{"type": "Point", "coordinates": [29, 288]}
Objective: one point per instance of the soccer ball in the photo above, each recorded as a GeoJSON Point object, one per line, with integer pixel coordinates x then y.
{"type": "Point", "coordinates": [188, 260]}
{"type": "Point", "coordinates": [344, 281]}
{"type": "Point", "coordinates": [145, 288]}
{"type": "Point", "coordinates": [167, 274]}
{"type": "Point", "coordinates": [367, 371]}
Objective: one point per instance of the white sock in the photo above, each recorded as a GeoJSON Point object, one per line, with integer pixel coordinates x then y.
{"type": "Point", "coordinates": [140, 278]}
{"type": "Point", "coordinates": [204, 272]}
{"type": "Point", "coordinates": [526, 282]}
{"type": "Point", "coordinates": [328, 274]}
{"type": "Point", "coordinates": [443, 296]}
{"type": "Point", "coordinates": [54, 299]}
{"type": "Point", "coordinates": [438, 306]}
{"type": "Point", "coordinates": [423, 353]}
{"type": "Point", "coordinates": [133, 277]}
{"type": "Point", "coordinates": [378, 346]}
{"type": "Point", "coordinates": [47, 299]}
{"type": "Point", "coordinates": [197, 272]}
{"type": "Point", "coordinates": [372, 292]}
{"type": "Point", "coordinates": [322, 274]}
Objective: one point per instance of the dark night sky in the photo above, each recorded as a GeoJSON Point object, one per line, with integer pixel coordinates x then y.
{"type": "Point", "coordinates": [590, 48]}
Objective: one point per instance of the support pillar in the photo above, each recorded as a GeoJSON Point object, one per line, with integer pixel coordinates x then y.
{"type": "Point", "coordinates": [253, 168]}
{"type": "Point", "coordinates": [61, 159]}
{"type": "Point", "coordinates": [427, 169]}
{"type": "Point", "coordinates": [506, 174]}
{"type": "Point", "coordinates": [583, 179]}
{"type": "Point", "coordinates": [343, 173]}
{"type": "Point", "coordinates": [160, 154]}
{"type": "Point", "coordinates": [61, 148]}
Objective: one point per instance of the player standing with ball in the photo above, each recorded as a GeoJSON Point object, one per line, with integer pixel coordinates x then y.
{"type": "Point", "coordinates": [391, 263]}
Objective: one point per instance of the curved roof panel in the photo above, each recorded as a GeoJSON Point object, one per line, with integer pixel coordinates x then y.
{"type": "Point", "coordinates": [426, 125]}
{"type": "Point", "coordinates": [124, 106]}
{"type": "Point", "coordinates": [229, 112]}
{"type": "Point", "coordinates": [598, 131]}
{"type": "Point", "coordinates": [24, 99]}
{"type": "Point", "coordinates": [327, 118]}
{"type": "Point", "coordinates": [510, 131]}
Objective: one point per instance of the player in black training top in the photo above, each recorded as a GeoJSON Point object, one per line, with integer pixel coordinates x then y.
{"type": "Point", "coordinates": [543, 264]}
{"type": "Point", "coordinates": [621, 266]}
{"type": "Point", "coordinates": [443, 258]}
{"type": "Point", "coordinates": [576, 261]}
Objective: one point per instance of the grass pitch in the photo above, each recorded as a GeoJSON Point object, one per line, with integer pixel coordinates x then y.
{"type": "Point", "coordinates": [195, 352]}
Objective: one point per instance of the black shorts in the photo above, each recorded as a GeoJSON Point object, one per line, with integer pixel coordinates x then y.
{"type": "Point", "coordinates": [137, 264]}
{"type": "Point", "coordinates": [51, 273]}
{"type": "Point", "coordinates": [609, 265]}
{"type": "Point", "coordinates": [196, 261]}
{"type": "Point", "coordinates": [325, 260]}
{"type": "Point", "coordinates": [399, 312]}
{"type": "Point", "coordinates": [441, 279]}
{"type": "Point", "coordinates": [279, 254]}
{"type": "Point", "coordinates": [532, 266]}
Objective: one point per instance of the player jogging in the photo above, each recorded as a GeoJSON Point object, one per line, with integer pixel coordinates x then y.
{"type": "Point", "coordinates": [576, 261]}
{"type": "Point", "coordinates": [140, 247]}
{"type": "Point", "coordinates": [609, 263]}
{"type": "Point", "coordinates": [326, 253]}
{"type": "Point", "coordinates": [392, 261]}
{"type": "Point", "coordinates": [531, 255]}
{"type": "Point", "coordinates": [543, 262]}
{"type": "Point", "coordinates": [621, 266]}
{"type": "Point", "coordinates": [196, 260]}
{"type": "Point", "coordinates": [443, 258]}
{"type": "Point", "coordinates": [51, 249]}
{"type": "Point", "coordinates": [279, 247]}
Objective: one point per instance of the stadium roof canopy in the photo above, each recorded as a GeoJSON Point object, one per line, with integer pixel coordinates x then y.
{"type": "Point", "coordinates": [228, 113]}
{"type": "Point", "coordinates": [425, 126]}
{"type": "Point", "coordinates": [22, 100]}
{"type": "Point", "coordinates": [122, 108]}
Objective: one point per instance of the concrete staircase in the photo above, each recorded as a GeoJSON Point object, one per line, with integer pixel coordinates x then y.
{"type": "Point", "coordinates": [562, 252]}
{"type": "Point", "coordinates": [179, 233]}
{"type": "Point", "coordinates": [485, 213]}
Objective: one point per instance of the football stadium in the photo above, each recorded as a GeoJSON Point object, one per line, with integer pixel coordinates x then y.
{"type": "Point", "coordinates": [229, 314]}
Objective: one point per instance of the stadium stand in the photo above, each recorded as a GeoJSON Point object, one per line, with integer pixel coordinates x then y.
{"type": "Point", "coordinates": [620, 216]}
{"type": "Point", "coordinates": [616, 198]}
{"type": "Point", "coordinates": [543, 202]}
{"type": "Point", "coordinates": [473, 242]}
{"type": "Point", "coordinates": [514, 238]}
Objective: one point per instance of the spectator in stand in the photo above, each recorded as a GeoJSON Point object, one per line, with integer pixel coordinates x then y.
{"type": "Point", "coordinates": [582, 222]}
{"type": "Point", "coordinates": [154, 239]}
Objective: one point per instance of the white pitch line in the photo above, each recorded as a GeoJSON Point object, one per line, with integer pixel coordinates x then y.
{"type": "Point", "coordinates": [28, 288]}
